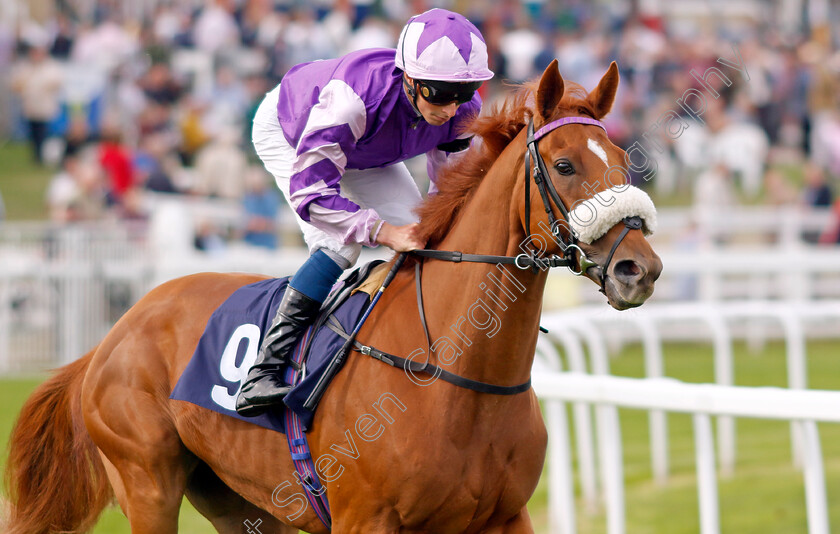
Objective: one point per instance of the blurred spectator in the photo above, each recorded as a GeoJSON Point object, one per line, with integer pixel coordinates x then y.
{"type": "Point", "coordinates": [831, 234]}
{"type": "Point", "coordinates": [256, 88]}
{"type": "Point", "coordinates": [77, 137]}
{"type": "Point", "coordinates": [38, 80]}
{"type": "Point", "coordinates": [825, 144]}
{"type": "Point", "coordinates": [740, 145]}
{"type": "Point", "coordinates": [191, 129]}
{"type": "Point", "coordinates": [260, 206]}
{"type": "Point", "coordinates": [690, 240]}
{"type": "Point", "coordinates": [760, 89]}
{"type": "Point", "coordinates": [155, 118]}
{"type": "Point", "coordinates": [339, 25]}
{"type": "Point", "coordinates": [184, 36]}
{"type": "Point", "coordinates": [373, 33]}
{"type": "Point", "coordinates": [816, 193]}
{"type": "Point", "coordinates": [75, 193]}
{"type": "Point", "coordinates": [103, 46]}
{"type": "Point", "coordinates": [220, 166]}
{"type": "Point", "coordinates": [125, 101]}
{"type": "Point", "coordinates": [62, 43]}
{"type": "Point", "coordinates": [64, 190]}
{"type": "Point", "coordinates": [160, 86]}
{"type": "Point", "coordinates": [131, 208]}
{"type": "Point", "coordinates": [824, 104]}
{"type": "Point", "coordinates": [779, 191]}
{"type": "Point", "coordinates": [364, 8]}
{"type": "Point", "coordinates": [166, 23]}
{"type": "Point", "coordinates": [520, 49]}
{"type": "Point", "coordinates": [116, 163]}
{"type": "Point", "coordinates": [306, 39]}
{"type": "Point", "coordinates": [713, 190]}
{"type": "Point", "coordinates": [215, 27]}
{"type": "Point", "coordinates": [793, 84]}
{"type": "Point", "coordinates": [208, 238]}
{"type": "Point", "coordinates": [227, 102]}
{"type": "Point", "coordinates": [577, 56]}
{"type": "Point", "coordinates": [150, 165]}
{"type": "Point", "coordinates": [261, 25]}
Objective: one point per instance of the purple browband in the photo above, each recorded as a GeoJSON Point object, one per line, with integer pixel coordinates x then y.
{"type": "Point", "coordinates": [567, 120]}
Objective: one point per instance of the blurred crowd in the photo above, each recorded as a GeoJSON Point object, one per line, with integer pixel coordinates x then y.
{"type": "Point", "coordinates": [129, 108]}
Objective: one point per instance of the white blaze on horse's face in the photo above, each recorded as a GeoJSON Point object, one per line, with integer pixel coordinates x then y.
{"type": "Point", "coordinates": [598, 150]}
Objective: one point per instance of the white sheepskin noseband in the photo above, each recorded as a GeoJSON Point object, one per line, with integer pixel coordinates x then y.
{"type": "Point", "coordinates": [594, 217]}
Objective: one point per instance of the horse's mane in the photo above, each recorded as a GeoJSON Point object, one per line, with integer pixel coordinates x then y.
{"type": "Point", "coordinates": [496, 130]}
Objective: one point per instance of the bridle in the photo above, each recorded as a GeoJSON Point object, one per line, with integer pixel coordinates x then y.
{"type": "Point", "coordinates": [569, 246]}
{"type": "Point", "coordinates": [548, 193]}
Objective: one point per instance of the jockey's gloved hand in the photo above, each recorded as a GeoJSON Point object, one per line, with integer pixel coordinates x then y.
{"type": "Point", "coordinates": [400, 238]}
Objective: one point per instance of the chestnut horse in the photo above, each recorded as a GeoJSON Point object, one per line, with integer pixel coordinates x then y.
{"type": "Point", "coordinates": [396, 453]}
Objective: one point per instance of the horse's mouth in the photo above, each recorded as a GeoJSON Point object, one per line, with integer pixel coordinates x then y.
{"type": "Point", "coordinates": [622, 297]}
{"type": "Point", "coordinates": [620, 304]}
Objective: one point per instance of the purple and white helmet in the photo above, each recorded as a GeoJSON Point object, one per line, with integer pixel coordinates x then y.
{"type": "Point", "coordinates": [443, 46]}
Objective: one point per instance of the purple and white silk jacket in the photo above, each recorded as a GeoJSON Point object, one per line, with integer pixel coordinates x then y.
{"type": "Point", "coordinates": [352, 113]}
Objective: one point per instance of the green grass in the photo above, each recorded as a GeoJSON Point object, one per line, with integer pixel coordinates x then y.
{"type": "Point", "coordinates": [764, 496]}
{"type": "Point", "coordinates": [23, 184]}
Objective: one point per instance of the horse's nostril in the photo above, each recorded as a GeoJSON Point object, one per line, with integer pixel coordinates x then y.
{"type": "Point", "coordinates": [628, 272]}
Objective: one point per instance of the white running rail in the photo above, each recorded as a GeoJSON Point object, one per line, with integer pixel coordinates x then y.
{"type": "Point", "coordinates": [804, 407]}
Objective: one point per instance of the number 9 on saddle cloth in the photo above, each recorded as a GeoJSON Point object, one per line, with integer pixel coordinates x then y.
{"type": "Point", "coordinates": [233, 334]}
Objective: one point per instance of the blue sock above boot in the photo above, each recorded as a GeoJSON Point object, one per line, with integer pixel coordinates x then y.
{"type": "Point", "coordinates": [317, 276]}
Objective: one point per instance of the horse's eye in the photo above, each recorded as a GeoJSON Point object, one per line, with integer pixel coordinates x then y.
{"type": "Point", "coordinates": [564, 167]}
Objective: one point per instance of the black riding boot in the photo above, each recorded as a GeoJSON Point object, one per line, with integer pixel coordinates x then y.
{"type": "Point", "coordinates": [264, 387]}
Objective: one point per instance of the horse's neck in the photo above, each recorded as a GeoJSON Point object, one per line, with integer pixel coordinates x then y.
{"type": "Point", "coordinates": [489, 311]}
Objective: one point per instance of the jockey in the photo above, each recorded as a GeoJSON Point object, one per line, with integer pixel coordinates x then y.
{"type": "Point", "coordinates": [334, 134]}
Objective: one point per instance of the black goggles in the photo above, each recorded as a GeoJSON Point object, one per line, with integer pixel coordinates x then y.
{"type": "Point", "coordinates": [443, 93]}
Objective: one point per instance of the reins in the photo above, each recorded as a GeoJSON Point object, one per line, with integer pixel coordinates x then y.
{"type": "Point", "coordinates": [474, 385]}
{"type": "Point", "coordinates": [522, 261]}
{"type": "Point", "coordinates": [411, 366]}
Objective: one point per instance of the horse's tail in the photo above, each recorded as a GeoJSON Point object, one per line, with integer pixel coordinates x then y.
{"type": "Point", "coordinates": [55, 478]}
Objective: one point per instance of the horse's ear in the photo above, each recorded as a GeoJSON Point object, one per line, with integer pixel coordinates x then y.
{"type": "Point", "coordinates": [603, 96]}
{"type": "Point", "coordinates": [550, 91]}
